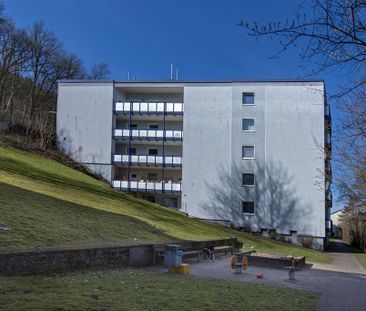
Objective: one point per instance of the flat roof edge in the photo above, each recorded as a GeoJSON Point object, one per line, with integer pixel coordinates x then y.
{"type": "Point", "coordinates": [194, 81]}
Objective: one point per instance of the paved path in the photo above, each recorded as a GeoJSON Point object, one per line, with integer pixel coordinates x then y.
{"type": "Point", "coordinates": [343, 260]}
{"type": "Point", "coordinates": [342, 284]}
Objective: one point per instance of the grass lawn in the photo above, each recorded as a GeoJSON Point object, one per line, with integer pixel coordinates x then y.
{"type": "Point", "coordinates": [47, 204]}
{"type": "Point", "coordinates": [361, 257]}
{"type": "Point", "coordinates": [137, 290]}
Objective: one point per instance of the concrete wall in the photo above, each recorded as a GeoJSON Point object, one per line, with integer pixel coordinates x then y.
{"type": "Point", "coordinates": [84, 123]}
{"type": "Point", "coordinates": [288, 140]}
{"type": "Point", "coordinates": [206, 146]}
{"type": "Point", "coordinates": [289, 159]}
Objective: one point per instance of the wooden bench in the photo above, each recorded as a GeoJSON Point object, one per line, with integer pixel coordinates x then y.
{"type": "Point", "coordinates": [225, 249]}
{"type": "Point", "coordinates": [158, 252]}
{"type": "Point", "coordinates": [192, 252]}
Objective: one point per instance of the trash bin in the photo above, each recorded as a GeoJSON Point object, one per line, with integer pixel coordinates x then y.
{"type": "Point", "coordinates": [172, 256]}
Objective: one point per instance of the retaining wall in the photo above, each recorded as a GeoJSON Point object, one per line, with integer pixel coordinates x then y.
{"type": "Point", "coordinates": [19, 263]}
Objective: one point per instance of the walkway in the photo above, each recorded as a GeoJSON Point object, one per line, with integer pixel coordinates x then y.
{"type": "Point", "coordinates": [343, 260]}
{"type": "Point", "coordinates": [342, 284]}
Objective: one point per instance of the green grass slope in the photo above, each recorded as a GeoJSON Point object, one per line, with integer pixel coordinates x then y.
{"type": "Point", "coordinates": [47, 204]}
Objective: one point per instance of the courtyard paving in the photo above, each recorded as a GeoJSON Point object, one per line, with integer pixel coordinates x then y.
{"type": "Point", "coordinates": [342, 284]}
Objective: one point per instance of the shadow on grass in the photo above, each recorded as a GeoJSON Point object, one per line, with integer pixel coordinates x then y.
{"type": "Point", "coordinates": [41, 221]}
{"type": "Point", "coordinates": [21, 168]}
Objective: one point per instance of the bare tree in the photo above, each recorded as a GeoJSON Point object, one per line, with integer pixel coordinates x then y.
{"type": "Point", "coordinates": [13, 59]}
{"type": "Point", "coordinates": [333, 36]}
{"type": "Point", "coordinates": [99, 72]}
{"type": "Point", "coordinates": [31, 63]}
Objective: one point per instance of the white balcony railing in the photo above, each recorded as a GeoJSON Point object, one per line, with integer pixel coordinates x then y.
{"type": "Point", "coordinates": [147, 186]}
{"type": "Point", "coordinates": [148, 160]}
{"type": "Point", "coordinates": [149, 134]}
{"type": "Point", "coordinates": [149, 107]}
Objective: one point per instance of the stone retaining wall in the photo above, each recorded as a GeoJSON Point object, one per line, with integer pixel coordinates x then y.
{"type": "Point", "coordinates": [19, 263]}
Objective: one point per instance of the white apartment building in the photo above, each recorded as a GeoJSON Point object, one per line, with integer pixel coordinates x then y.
{"type": "Point", "coordinates": [255, 153]}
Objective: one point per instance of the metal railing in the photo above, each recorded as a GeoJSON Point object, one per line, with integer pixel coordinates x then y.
{"type": "Point", "coordinates": [147, 186]}
{"type": "Point", "coordinates": [328, 195]}
{"type": "Point", "coordinates": [149, 107]}
{"type": "Point", "coordinates": [149, 134]}
{"type": "Point", "coordinates": [148, 160]}
{"type": "Point", "coordinates": [327, 111]}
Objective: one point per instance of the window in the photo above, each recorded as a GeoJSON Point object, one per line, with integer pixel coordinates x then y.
{"type": "Point", "coordinates": [133, 126]}
{"type": "Point", "coordinates": [248, 207]}
{"type": "Point", "coordinates": [153, 126]}
{"type": "Point", "coordinates": [248, 125]}
{"type": "Point", "coordinates": [152, 176]}
{"type": "Point", "coordinates": [133, 175]}
{"type": "Point", "coordinates": [248, 98]}
{"type": "Point", "coordinates": [153, 151]}
{"type": "Point", "coordinates": [248, 152]}
{"type": "Point", "coordinates": [248, 180]}
{"type": "Point", "coordinates": [133, 151]}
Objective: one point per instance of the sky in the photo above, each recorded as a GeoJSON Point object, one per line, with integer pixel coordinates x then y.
{"type": "Point", "coordinates": [200, 37]}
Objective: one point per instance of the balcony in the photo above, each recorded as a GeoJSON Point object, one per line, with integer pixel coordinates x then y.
{"type": "Point", "coordinates": [148, 134]}
{"type": "Point", "coordinates": [328, 195]}
{"type": "Point", "coordinates": [327, 111]}
{"type": "Point", "coordinates": [147, 186]}
{"type": "Point", "coordinates": [328, 199]}
{"type": "Point", "coordinates": [149, 108]}
{"type": "Point", "coordinates": [328, 145]}
{"type": "Point", "coordinates": [328, 170]}
{"type": "Point", "coordinates": [147, 160]}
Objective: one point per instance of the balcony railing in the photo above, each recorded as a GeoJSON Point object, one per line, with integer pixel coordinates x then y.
{"type": "Point", "coordinates": [327, 111]}
{"type": "Point", "coordinates": [141, 134]}
{"type": "Point", "coordinates": [147, 160]}
{"type": "Point", "coordinates": [147, 186]}
{"type": "Point", "coordinates": [149, 107]}
{"type": "Point", "coordinates": [329, 195]}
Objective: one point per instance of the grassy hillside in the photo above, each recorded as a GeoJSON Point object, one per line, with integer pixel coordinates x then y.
{"type": "Point", "coordinates": [47, 204]}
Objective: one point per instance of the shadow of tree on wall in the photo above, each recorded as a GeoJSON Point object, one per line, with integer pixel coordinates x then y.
{"type": "Point", "coordinates": [277, 205]}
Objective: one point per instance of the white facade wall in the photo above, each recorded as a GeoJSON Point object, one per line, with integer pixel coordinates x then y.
{"type": "Point", "coordinates": [289, 157]}
{"type": "Point", "coordinates": [289, 192]}
{"type": "Point", "coordinates": [84, 124]}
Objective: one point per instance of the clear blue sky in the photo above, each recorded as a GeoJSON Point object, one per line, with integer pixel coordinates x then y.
{"type": "Point", "coordinates": [144, 37]}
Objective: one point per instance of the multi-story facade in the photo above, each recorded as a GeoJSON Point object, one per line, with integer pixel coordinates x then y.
{"type": "Point", "coordinates": [255, 153]}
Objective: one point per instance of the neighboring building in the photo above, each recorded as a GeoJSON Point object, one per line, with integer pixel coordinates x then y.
{"type": "Point", "coordinates": [336, 221]}
{"type": "Point", "coordinates": [256, 153]}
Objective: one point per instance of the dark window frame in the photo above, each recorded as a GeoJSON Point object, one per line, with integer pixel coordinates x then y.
{"type": "Point", "coordinates": [251, 207]}
{"type": "Point", "coordinates": [242, 124]}
{"type": "Point", "coordinates": [247, 95]}
{"type": "Point", "coordinates": [242, 152]}
{"type": "Point", "coordinates": [248, 185]}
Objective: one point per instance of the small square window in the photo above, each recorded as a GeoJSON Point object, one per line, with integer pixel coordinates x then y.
{"type": "Point", "coordinates": [248, 207]}
{"type": "Point", "coordinates": [133, 151]}
{"type": "Point", "coordinates": [248, 180]}
{"type": "Point", "coordinates": [154, 126]}
{"type": "Point", "coordinates": [248, 152]}
{"type": "Point", "coordinates": [133, 126]}
{"type": "Point", "coordinates": [153, 151]}
{"type": "Point", "coordinates": [133, 176]}
{"type": "Point", "coordinates": [248, 125]}
{"type": "Point", "coordinates": [248, 98]}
